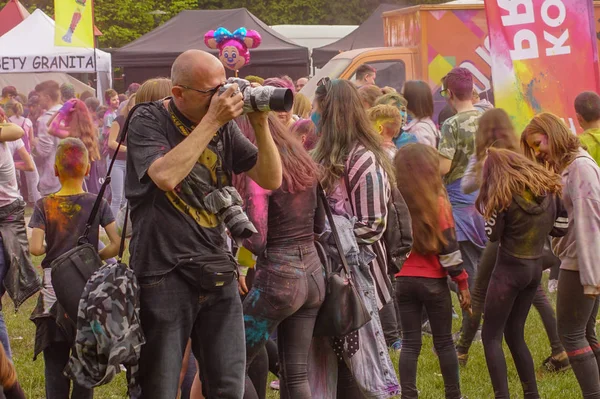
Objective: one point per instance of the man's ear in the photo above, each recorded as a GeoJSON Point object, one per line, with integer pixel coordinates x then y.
{"type": "Point", "coordinates": [580, 120]}
{"type": "Point", "coordinates": [89, 168]}
{"type": "Point", "coordinates": [55, 171]}
{"type": "Point", "coordinates": [177, 92]}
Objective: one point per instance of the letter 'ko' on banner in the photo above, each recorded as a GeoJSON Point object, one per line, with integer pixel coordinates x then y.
{"type": "Point", "coordinates": [543, 55]}
{"type": "Point", "coordinates": [74, 23]}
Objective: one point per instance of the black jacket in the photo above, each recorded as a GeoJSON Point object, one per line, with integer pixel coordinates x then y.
{"type": "Point", "coordinates": [523, 228]}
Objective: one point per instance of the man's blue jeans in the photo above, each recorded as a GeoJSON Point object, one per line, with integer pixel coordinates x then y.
{"type": "Point", "coordinates": [3, 331]}
{"type": "Point", "coordinates": [171, 312]}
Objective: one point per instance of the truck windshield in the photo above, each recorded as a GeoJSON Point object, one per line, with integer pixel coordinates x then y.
{"type": "Point", "coordinates": [333, 69]}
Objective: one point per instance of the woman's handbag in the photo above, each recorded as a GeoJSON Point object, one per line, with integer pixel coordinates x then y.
{"type": "Point", "coordinates": [71, 271]}
{"type": "Point", "coordinates": [343, 310]}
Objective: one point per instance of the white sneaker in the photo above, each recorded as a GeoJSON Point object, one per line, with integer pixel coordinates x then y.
{"type": "Point", "coordinates": [275, 385]}
{"type": "Point", "coordinates": [552, 285]}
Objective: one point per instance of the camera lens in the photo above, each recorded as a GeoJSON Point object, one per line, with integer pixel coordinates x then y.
{"type": "Point", "coordinates": [281, 100]}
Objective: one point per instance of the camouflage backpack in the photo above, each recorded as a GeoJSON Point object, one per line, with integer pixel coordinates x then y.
{"type": "Point", "coordinates": [109, 333]}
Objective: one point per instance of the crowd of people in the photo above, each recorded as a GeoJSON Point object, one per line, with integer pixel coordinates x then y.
{"type": "Point", "coordinates": [240, 222]}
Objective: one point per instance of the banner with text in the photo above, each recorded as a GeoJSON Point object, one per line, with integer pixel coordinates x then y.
{"type": "Point", "coordinates": [543, 55]}
{"type": "Point", "coordinates": [42, 63]}
{"type": "Point", "coordinates": [74, 25]}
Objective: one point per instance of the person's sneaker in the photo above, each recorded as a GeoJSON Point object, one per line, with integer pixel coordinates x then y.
{"type": "Point", "coordinates": [275, 385]}
{"type": "Point", "coordinates": [554, 365]}
{"type": "Point", "coordinates": [552, 285]}
{"type": "Point", "coordinates": [397, 346]}
{"type": "Point", "coordinates": [426, 328]}
{"type": "Point", "coordinates": [463, 359]}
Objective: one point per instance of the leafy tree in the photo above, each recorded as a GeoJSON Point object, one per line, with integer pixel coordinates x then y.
{"type": "Point", "coordinates": [122, 21]}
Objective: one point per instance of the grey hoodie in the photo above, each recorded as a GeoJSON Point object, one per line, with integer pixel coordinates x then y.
{"type": "Point", "coordinates": [579, 250]}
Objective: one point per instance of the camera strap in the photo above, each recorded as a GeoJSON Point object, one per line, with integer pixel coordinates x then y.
{"type": "Point", "coordinates": [185, 126]}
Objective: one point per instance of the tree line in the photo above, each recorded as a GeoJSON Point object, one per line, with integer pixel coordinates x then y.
{"type": "Point", "coordinates": [123, 21]}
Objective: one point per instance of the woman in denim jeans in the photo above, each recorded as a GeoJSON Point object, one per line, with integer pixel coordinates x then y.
{"type": "Point", "coordinates": [422, 282]}
{"type": "Point", "coordinates": [350, 150]}
{"type": "Point", "coordinates": [289, 286]}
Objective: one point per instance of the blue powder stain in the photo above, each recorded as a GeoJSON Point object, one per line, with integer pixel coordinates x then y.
{"type": "Point", "coordinates": [253, 297]}
{"type": "Point", "coordinates": [257, 331]}
{"type": "Point", "coordinates": [530, 96]}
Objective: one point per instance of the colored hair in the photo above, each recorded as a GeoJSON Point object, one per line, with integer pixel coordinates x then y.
{"type": "Point", "coordinates": [563, 144]}
{"type": "Point", "coordinates": [133, 88]}
{"type": "Point", "coordinates": [255, 79]}
{"type": "Point", "coordinates": [71, 158]}
{"type": "Point", "coordinates": [587, 104]}
{"type": "Point", "coordinates": [50, 88]}
{"type": "Point", "coordinates": [305, 127]}
{"type": "Point", "coordinates": [495, 130]}
{"type": "Point", "coordinates": [507, 174]}
{"type": "Point", "coordinates": [281, 83]}
{"type": "Point", "coordinates": [110, 93]}
{"type": "Point", "coordinates": [100, 111]}
{"type": "Point", "coordinates": [395, 99]}
{"type": "Point", "coordinates": [299, 170]}
{"type": "Point", "coordinates": [383, 114]}
{"type": "Point", "coordinates": [302, 106]}
{"type": "Point", "coordinates": [344, 124]}
{"type": "Point", "coordinates": [153, 90]}
{"type": "Point", "coordinates": [419, 98]}
{"type": "Point", "coordinates": [369, 94]}
{"type": "Point", "coordinates": [67, 91]}
{"type": "Point", "coordinates": [460, 82]}
{"type": "Point", "coordinates": [422, 194]}
{"type": "Point", "coordinates": [364, 70]}
{"type": "Point", "coordinates": [80, 125]}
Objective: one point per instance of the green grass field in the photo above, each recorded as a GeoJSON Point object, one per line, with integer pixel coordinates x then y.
{"type": "Point", "coordinates": [475, 380]}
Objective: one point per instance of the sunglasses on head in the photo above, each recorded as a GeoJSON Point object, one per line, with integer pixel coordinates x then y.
{"type": "Point", "coordinates": [326, 81]}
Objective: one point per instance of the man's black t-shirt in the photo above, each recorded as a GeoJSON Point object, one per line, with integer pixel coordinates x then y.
{"type": "Point", "coordinates": [169, 227]}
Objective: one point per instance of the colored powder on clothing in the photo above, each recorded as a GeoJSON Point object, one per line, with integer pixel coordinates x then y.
{"type": "Point", "coordinates": [256, 330]}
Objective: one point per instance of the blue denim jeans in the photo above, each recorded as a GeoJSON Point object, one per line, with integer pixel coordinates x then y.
{"type": "Point", "coordinates": [171, 312]}
{"type": "Point", "coordinates": [117, 185]}
{"type": "Point", "coordinates": [3, 331]}
{"type": "Point", "coordinates": [286, 295]}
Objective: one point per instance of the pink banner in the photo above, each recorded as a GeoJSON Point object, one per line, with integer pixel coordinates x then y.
{"type": "Point", "coordinates": [543, 55]}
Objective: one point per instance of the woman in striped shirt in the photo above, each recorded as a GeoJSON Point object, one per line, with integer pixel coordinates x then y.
{"type": "Point", "coordinates": [356, 174]}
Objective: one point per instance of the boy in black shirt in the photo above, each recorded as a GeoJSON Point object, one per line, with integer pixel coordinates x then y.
{"type": "Point", "coordinates": [61, 218]}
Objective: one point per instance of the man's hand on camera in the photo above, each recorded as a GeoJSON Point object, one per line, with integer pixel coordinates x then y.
{"type": "Point", "coordinates": [226, 106]}
{"type": "Point", "coordinates": [258, 118]}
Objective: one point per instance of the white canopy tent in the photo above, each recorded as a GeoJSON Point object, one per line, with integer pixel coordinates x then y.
{"type": "Point", "coordinates": [29, 48]}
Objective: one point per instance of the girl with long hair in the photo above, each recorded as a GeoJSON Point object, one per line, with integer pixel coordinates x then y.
{"type": "Point", "coordinates": [422, 281]}
{"type": "Point", "coordinates": [289, 285]}
{"type": "Point", "coordinates": [520, 201]}
{"type": "Point", "coordinates": [496, 130]}
{"type": "Point", "coordinates": [548, 141]}
{"type": "Point", "coordinates": [420, 108]}
{"type": "Point", "coordinates": [356, 176]}
{"type": "Point", "coordinates": [74, 120]}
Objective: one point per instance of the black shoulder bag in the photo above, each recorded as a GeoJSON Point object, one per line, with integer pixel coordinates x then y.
{"type": "Point", "coordinates": [343, 310]}
{"type": "Point", "coordinates": [71, 271]}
